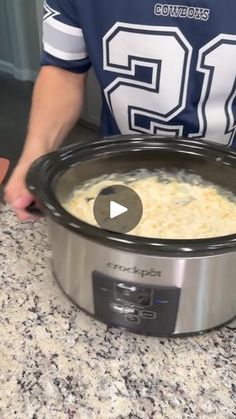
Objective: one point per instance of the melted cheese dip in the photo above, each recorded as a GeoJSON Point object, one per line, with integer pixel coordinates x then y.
{"type": "Point", "coordinates": [175, 205]}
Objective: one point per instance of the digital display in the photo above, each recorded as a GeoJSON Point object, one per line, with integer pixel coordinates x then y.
{"type": "Point", "coordinates": [139, 296]}
{"type": "Point", "coordinates": [144, 298]}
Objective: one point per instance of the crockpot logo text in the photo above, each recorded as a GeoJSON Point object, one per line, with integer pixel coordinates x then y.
{"type": "Point", "coordinates": [134, 270]}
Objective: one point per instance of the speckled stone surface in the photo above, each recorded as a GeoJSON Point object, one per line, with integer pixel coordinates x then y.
{"type": "Point", "coordinates": [57, 362]}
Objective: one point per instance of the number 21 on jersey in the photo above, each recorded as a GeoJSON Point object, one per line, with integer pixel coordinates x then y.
{"type": "Point", "coordinates": [166, 56]}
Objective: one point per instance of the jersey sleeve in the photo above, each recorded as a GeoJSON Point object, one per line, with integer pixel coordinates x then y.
{"type": "Point", "coordinates": [64, 45]}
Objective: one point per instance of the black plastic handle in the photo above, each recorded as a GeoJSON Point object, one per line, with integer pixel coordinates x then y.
{"type": "Point", "coordinates": [34, 181]}
{"type": "Point", "coordinates": [34, 210]}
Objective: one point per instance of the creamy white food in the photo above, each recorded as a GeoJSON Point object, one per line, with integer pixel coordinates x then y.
{"type": "Point", "coordinates": [175, 205]}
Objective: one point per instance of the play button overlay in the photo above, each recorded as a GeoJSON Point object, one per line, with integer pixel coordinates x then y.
{"type": "Point", "coordinates": [118, 208]}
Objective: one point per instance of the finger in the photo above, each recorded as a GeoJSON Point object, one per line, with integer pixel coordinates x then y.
{"type": "Point", "coordinates": [23, 215]}
{"type": "Point", "coordinates": [21, 202]}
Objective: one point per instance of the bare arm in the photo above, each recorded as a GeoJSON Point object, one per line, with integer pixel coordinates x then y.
{"type": "Point", "coordinates": [57, 103]}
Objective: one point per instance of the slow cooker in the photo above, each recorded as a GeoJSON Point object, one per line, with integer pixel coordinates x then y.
{"type": "Point", "coordinates": [148, 286]}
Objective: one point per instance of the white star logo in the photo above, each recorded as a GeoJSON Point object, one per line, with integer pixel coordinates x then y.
{"type": "Point", "coordinates": [49, 12]}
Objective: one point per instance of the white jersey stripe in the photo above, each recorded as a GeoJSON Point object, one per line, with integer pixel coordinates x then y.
{"type": "Point", "coordinates": [62, 27]}
{"type": "Point", "coordinates": [63, 41]}
{"type": "Point", "coordinates": [67, 56]}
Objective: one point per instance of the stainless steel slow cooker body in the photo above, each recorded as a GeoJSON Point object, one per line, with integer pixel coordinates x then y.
{"type": "Point", "coordinates": [149, 286]}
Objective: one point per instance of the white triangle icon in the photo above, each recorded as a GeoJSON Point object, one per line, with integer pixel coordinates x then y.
{"type": "Point", "coordinates": [116, 209]}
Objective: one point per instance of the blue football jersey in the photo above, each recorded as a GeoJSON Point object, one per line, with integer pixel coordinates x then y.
{"type": "Point", "coordinates": [164, 68]}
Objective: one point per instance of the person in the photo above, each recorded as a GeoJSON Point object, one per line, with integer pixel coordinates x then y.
{"type": "Point", "coordinates": [164, 68]}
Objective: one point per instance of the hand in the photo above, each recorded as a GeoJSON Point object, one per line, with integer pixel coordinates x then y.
{"type": "Point", "coordinates": [17, 195]}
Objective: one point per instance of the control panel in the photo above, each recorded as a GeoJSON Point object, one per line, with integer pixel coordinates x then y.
{"type": "Point", "coordinates": [150, 310]}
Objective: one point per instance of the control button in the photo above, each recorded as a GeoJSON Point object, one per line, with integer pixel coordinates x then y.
{"type": "Point", "coordinates": [118, 208]}
{"type": "Point", "coordinates": [104, 289]}
{"type": "Point", "coordinates": [161, 301]}
{"type": "Point", "coordinates": [148, 315]}
{"type": "Point", "coordinates": [133, 318]}
{"type": "Point", "coordinates": [120, 308]}
{"type": "Point", "coordinates": [127, 287]}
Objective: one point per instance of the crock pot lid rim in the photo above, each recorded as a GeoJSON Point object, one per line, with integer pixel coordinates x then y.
{"type": "Point", "coordinates": [170, 141]}
{"type": "Point", "coordinates": [63, 159]}
{"type": "Point", "coordinates": [171, 144]}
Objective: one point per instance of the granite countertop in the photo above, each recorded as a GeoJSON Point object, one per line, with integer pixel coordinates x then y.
{"type": "Point", "coordinates": [57, 362]}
